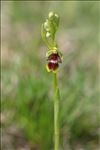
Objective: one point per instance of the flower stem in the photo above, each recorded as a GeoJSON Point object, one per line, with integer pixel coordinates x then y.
{"type": "Point", "coordinates": [56, 114]}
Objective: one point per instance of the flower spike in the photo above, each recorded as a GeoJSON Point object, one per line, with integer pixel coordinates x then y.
{"type": "Point", "coordinates": [48, 30]}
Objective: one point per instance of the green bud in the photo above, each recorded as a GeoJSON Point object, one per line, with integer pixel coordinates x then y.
{"type": "Point", "coordinates": [51, 14]}
{"type": "Point", "coordinates": [56, 20]}
{"type": "Point", "coordinates": [56, 16]}
{"type": "Point", "coordinates": [48, 34]}
{"type": "Point", "coordinates": [49, 29]}
{"type": "Point", "coordinates": [46, 24]}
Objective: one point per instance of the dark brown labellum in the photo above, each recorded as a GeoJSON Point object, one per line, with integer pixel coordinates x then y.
{"type": "Point", "coordinates": [53, 61]}
{"type": "Point", "coordinates": [53, 66]}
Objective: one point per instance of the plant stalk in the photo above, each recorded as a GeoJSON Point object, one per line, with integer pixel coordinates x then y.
{"type": "Point", "coordinates": [56, 114]}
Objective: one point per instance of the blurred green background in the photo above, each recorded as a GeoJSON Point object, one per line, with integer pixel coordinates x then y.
{"type": "Point", "coordinates": [27, 89]}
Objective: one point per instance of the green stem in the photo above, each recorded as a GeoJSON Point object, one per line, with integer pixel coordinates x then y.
{"type": "Point", "coordinates": [56, 114]}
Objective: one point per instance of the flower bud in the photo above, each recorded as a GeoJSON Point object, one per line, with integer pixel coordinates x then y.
{"type": "Point", "coordinates": [46, 25]}
{"type": "Point", "coordinates": [51, 14]}
{"type": "Point", "coordinates": [56, 16]}
{"type": "Point", "coordinates": [48, 34]}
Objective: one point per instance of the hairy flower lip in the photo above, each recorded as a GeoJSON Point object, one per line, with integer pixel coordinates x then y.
{"type": "Point", "coordinates": [52, 67]}
{"type": "Point", "coordinates": [53, 61]}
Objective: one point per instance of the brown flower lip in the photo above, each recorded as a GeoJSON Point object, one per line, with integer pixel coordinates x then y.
{"type": "Point", "coordinates": [53, 66]}
{"type": "Point", "coordinates": [53, 62]}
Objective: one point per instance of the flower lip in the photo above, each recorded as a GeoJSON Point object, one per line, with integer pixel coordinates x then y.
{"type": "Point", "coordinates": [53, 61]}
{"type": "Point", "coordinates": [53, 66]}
